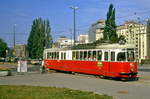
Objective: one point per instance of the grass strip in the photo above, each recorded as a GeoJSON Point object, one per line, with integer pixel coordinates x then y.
{"type": "Point", "coordinates": [36, 92]}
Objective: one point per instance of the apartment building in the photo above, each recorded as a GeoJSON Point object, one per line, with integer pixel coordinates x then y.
{"type": "Point", "coordinates": [135, 33]}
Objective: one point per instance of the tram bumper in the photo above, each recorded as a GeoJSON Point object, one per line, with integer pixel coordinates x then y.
{"type": "Point", "coordinates": [131, 74]}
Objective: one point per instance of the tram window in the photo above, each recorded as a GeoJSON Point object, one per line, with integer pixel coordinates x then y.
{"type": "Point", "coordinates": [99, 55]}
{"type": "Point", "coordinates": [106, 56]}
{"type": "Point", "coordinates": [74, 55]}
{"type": "Point", "coordinates": [44, 56]}
{"type": "Point", "coordinates": [57, 55]}
{"type": "Point", "coordinates": [77, 55]}
{"type": "Point", "coordinates": [130, 56]}
{"type": "Point", "coordinates": [89, 55]}
{"type": "Point", "coordinates": [112, 56]}
{"type": "Point", "coordinates": [121, 56]}
{"type": "Point", "coordinates": [48, 55]}
{"type": "Point", "coordinates": [94, 55]}
{"type": "Point", "coordinates": [85, 55]}
{"type": "Point", "coordinates": [52, 53]}
{"type": "Point", "coordinates": [62, 55]}
{"type": "Point", "coordinates": [81, 55]}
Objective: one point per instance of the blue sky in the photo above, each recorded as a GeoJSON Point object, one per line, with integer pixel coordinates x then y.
{"type": "Point", "coordinates": [23, 12]}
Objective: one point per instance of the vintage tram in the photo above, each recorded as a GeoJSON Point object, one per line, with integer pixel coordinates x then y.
{"type": "Point", "coordinates": [112, 60]}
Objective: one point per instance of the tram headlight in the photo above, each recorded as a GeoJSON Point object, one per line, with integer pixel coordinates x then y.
{"type": "Point", "coordinates": [131, 67]}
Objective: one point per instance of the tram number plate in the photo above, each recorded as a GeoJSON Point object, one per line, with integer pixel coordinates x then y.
{"type": "Point", "coordinates": [99, 64]}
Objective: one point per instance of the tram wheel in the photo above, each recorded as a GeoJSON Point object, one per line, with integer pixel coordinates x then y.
{"type": "Point", "coordinates": [103, 77]}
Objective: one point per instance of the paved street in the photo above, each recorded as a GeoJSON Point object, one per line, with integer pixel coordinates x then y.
{"type": "Point", "coordinates": [123, 90]}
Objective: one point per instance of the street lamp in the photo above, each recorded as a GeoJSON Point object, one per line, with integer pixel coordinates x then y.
{"type": "Point", "coordinates": [14, 34]}
{"type": "Point", "coordinates": [139, 39]}
{"type": "Point", "coordinates": [74, 19]}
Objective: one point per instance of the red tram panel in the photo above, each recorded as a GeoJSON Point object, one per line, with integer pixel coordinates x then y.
{"type": "Point", "coordinates": [111, 69]}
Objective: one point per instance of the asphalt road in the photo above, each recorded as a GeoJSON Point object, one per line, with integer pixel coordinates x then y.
{"type": "Point", "coordinates": [123, 90]}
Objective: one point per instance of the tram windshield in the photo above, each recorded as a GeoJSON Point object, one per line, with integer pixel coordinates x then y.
{"type": "Point", "coordinates": [130, 55]}
{"type": "Point", "coordinates": [126, 56]}
{"type": "Point", "coordinates": [121, 56]}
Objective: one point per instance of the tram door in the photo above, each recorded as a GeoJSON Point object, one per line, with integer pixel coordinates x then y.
{"type": "Point", "coordinates": [106, 61]}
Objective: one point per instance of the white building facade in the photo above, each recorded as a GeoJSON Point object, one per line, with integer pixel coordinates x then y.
{"type": "Point", "coordinates": [82, 39]}
{"type": "Point", "coordinates": [135, 33]}
{"type": "Point", "coordinates": [64, 42]}
{"type": "Point", "coordinates": [96, 31]}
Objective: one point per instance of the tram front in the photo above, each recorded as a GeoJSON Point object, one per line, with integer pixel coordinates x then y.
{"type": "Point", "coordinates": [128, 63]}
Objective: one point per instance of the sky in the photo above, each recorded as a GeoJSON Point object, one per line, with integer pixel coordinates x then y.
{"type": "Point", "coordinates": [21, 13]}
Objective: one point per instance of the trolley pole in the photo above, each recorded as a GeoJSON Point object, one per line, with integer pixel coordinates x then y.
{"type": "Point", "coordinates": [74, 25]}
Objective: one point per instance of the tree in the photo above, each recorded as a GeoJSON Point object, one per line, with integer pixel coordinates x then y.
{"type": "Point", "coordinates": [39, 38]}
{"type": "Point", "coordinates": [3, 48]}
{"type": "Point", "coordinates": [110, 26]}
{"type": "Point", "coordinates": [122, 39]}
{"type": "Point", "coordinates": [48, 37]}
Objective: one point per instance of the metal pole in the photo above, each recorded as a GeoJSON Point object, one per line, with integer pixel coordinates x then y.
{"type": "Point", "coordinates": [74, 10]}
{"type": "Point", "coordinates": [139, 40]}
{"type": "Point", "coordinates": [14, 35]}
{"type": "Point", "coordinates": [74, 21]}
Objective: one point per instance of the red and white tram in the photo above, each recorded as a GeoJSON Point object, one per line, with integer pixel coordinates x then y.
{"type": "Point", "coordinates": [107, 60]}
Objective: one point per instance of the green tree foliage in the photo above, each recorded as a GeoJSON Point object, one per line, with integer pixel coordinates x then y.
{"type": "Point", "coordinates": [110, 27]}
{"type": "Point", "coordinates": [3, 48]}
{"type": "Point", "coordinates": [122, 39]}
{"type": "Point", "coordinates": [39, 38]}
{"type": "Point", "coordinates": [48, 37]}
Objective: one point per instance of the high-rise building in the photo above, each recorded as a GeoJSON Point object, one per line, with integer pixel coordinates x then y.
{"type": "Point", "coordinates": [96, 31]}
{"type": "Point", "coordinates": [135, 33]}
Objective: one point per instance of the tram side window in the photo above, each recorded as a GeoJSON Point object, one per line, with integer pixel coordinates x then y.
{"type": "Point", "coordinates": [112, 56]}
{"type": "Point", "coordinates": [62, 55]}
{"type": "Point", "coordinates": [81, 55]}
{"type": "Point", "coordinates": [130, 56]}
{"type": "Point", "coordinates": [99, 55]}
{"type": "Point", "coordinates": [77, 55]}
{"type": "Point", "coordinates": [57, 55]}
{"type": "Point", "coordinates": [45, 56]}
{"type": "Point", "coordinates": [90, 55]}
{"type": "Point", "coordinates": [49, 55]}
{"type": "Point", "coordinates": [54, 55]}
{"type": "Point", "coordinates": [94, 55]}
{"type": "Point", "coordinates": [74, 55]}
{"type": "Point", "coordinates": [85, 55]}
{"type": "Point", "coordinates": [121, 56]}
{"type": "Point", "coordinates": [106, 56]}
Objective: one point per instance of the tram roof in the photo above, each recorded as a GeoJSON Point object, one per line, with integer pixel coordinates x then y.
{"type": "Point", "coordinates": [103, 46]}
{"type": "Point", "coordinates": [115, 46]}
